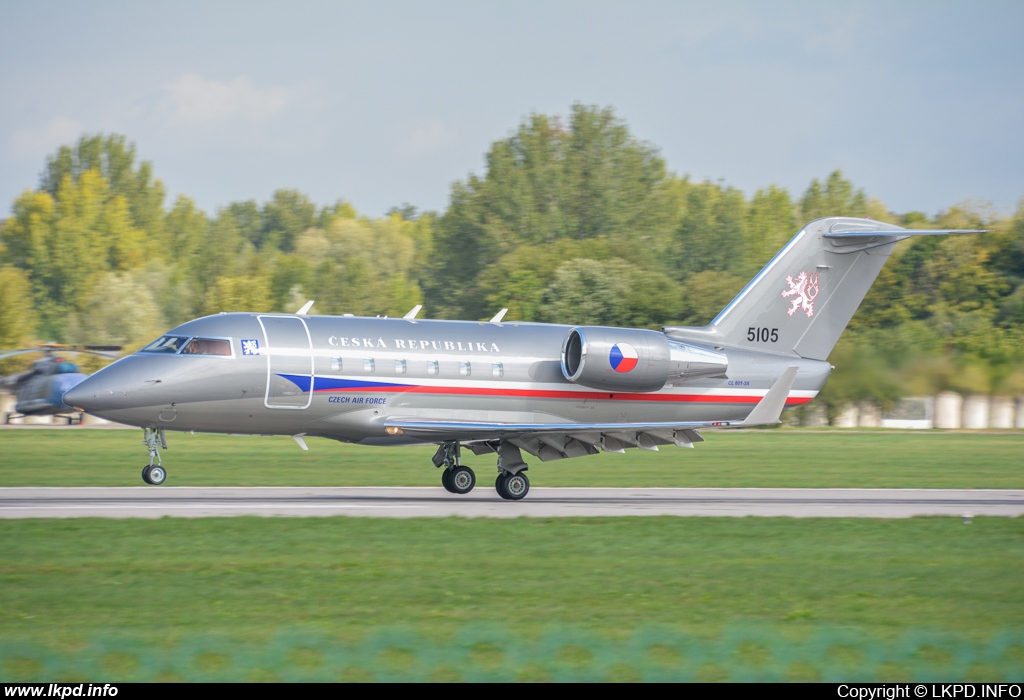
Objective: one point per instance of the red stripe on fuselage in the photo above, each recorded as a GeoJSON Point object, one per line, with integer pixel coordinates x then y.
{"type": "Point", "coordinates": [570, 395]}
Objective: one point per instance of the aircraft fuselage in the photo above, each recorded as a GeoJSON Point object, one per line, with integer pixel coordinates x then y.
{"type": "Point", "coordinates": [341, 377]}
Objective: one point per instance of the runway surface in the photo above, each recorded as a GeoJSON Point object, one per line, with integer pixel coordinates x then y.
{"type": "Point", "coordinates": [407, 502]}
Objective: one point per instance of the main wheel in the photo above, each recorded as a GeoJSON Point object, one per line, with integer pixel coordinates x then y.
{"type": "Point", "coordinates": [157, 475]}
{"type": "Point", "coordinates": [516, 486]}
{"type": "Point", "coordinates": [145, 473]}
{"type": "Point", "coordinates": [446, 480]}
{"type": "Point", "coordinates": [462, 480]}
{"type": "Point", "coordinates": [499, 484]}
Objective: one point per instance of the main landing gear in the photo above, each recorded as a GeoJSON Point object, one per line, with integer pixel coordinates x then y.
{"type": "Point", "coordinates": [154, 439]}
{"type": "Point", "coordinates": [456, 478]}
{"type": "Point", "coordinates": [512, 483]}
{"type": "Point", "coordinates": [512, 487]}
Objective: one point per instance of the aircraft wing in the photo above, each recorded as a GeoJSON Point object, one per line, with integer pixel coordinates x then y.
{"type": "Point", "coordinates": [551, 441]}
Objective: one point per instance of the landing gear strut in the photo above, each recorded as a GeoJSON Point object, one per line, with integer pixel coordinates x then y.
{"type": "Point", "coordinates": [456, 478]}
{"type": "Point", "coordinates": [154, 439]}
{"type": "Point", "coordinates": [512, 483]}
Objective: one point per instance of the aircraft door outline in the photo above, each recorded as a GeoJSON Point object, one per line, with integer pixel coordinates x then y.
{"type": "Point", "coordinates": [289, 362]}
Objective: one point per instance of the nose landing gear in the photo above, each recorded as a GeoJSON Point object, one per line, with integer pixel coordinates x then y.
{"type": "Point", "coordinates": [154, 439]}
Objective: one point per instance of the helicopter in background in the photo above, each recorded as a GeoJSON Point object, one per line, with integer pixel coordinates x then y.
{"type": "Point", "coordinates": [39, 390]}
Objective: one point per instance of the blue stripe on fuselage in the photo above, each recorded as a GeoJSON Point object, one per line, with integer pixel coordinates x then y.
{"type": "Point", "coordinates": [336, 384]}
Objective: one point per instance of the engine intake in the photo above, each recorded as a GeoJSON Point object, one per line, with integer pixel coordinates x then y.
{"type": "Point", "coordinates": [629, 359]}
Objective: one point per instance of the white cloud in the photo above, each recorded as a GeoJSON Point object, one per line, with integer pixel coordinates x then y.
{"type": "Point", "coordinates": [35, 143]}
{"type": "Point", "coordinates": [192, 100]}
{"type": "Point", "coordinates": [427, 138]}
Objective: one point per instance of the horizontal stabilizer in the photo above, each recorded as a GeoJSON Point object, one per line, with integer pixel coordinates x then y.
{"type": "Point", "coordinates": [769, 409]}
{"type": "Point", "coordinates": [900, 232]}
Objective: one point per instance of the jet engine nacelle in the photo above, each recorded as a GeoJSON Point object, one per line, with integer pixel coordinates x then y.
{"type": "Point", "coordinates": [626, 359]}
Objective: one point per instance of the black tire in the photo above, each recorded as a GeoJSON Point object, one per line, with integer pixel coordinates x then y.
{"type": "Point", "coordinates": [157, 475]}
{"type": "Point", "coordinates": [517, 486]}
{"type": "Point", "coordinates": [462, 480]}
{"type": "Point", "coordinates": [145, 473]}
{"type": "Point", "coordinates": [446, 480]}
{"type": "Point", "coordinates": [499, 485]}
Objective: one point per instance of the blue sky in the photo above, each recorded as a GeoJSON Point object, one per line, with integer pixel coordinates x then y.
{"type": "Point", "coordinates": [920, 103]}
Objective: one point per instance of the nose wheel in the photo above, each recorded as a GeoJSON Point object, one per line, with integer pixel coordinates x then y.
{"type": "Point", "coordinates": [154, 439]}
{"type": "Point", "coordinates": [154, 474]}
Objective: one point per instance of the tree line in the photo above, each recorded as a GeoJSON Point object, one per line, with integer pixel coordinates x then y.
{"type": "Point", "coordinates": [574, 220]}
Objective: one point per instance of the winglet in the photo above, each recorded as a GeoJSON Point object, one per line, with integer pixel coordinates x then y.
{"type": "Point", "coordinates": [305, 309]}
{"type": "Point", "coordinates": [498, 316]}
{"type": "Point", "coordinates": [412, 312]}
{"type": "Point", "coordinates": [768, 409]}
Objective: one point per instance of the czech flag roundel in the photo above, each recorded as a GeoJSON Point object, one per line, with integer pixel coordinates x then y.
{"type": "Point", "coordinates": [623, 357]}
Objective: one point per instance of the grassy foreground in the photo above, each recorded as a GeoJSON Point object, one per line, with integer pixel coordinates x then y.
{"type": "Point", "coordinates": [159, 582]}
{"type": "Point", "coordinates": [768, 458]}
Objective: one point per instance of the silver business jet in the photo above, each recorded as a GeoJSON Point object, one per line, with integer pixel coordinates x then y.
{"type": "Point", "coordinates": [503, 387]}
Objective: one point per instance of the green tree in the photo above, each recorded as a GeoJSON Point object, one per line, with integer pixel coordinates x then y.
{"type": "Point", "coordinates": [284, 217]}
{"type": "Point", "coordinates": [17, 317]}
{"type": "Point", "coordinates": [114, 159]}
{"type": "Point", "coordinates": [119, 309]}
{"type": "Point", "coordinates": [705, 294]}
{"type": "Point", "coordinates": [587, 180]}
{"type": "Point", "coordinates": [837, 197]}
{"type": "Point", "coordinates": [609, 293]}
{"type": "Point", "coordinates": [771, 222]}
{"type": "Point", "coordinates": [346, 270]}
{"type": "Point", "coordinates": [712, 231]}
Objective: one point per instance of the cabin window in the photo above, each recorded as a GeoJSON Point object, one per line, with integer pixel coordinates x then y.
{"type": "Point", "coordinates": [432, 367]}
{"type": "Point", "coordinates": [497, 370]}
{"type": "Point", "coordinates": [399, 366]}
{"type": "Point", "coordinates": [208, 346]}
{"type": "Point", "coordinates": [169, 344]}
{"type": "Point", "coordinates": [368, 366]}
{"type": "Point", "coordinates": [464, 369]}
{"type": "Point", "coordinates": [335, 364]}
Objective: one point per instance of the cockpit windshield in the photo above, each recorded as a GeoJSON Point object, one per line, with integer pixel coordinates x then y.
{"type": "Point", "coordinates": [208, 346]}
{"type": "Point", "coordinates": [168, 345]}
{"type": "Point", "coordinates": [183, 345]}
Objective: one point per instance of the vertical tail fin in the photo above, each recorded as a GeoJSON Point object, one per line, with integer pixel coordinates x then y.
{"type": "Point", "coordinates": [802, 300]}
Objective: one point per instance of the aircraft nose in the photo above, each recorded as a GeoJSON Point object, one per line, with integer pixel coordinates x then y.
{"type": "Point", "coordinates": [63, 384]}
{"type": "Point", "coordinates": [80, 396]}
{"type": "Point", "coordinates": [100, 392]}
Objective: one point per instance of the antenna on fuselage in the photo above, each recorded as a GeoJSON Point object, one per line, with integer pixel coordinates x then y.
{"type": "Point", "coordinates": [305, 309]}
{"type": "Point", "coordinates": [412, 312]}
{"type": "Point", "coordinates": [498, 316]}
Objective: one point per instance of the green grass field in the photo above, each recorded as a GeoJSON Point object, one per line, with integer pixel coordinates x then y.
{"type": "Point", "coordinates": [159, 582]}
{"type": "Point", "coordinates": [543, 599]}
{"type": "Point", "coordinates": [767, 458]}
